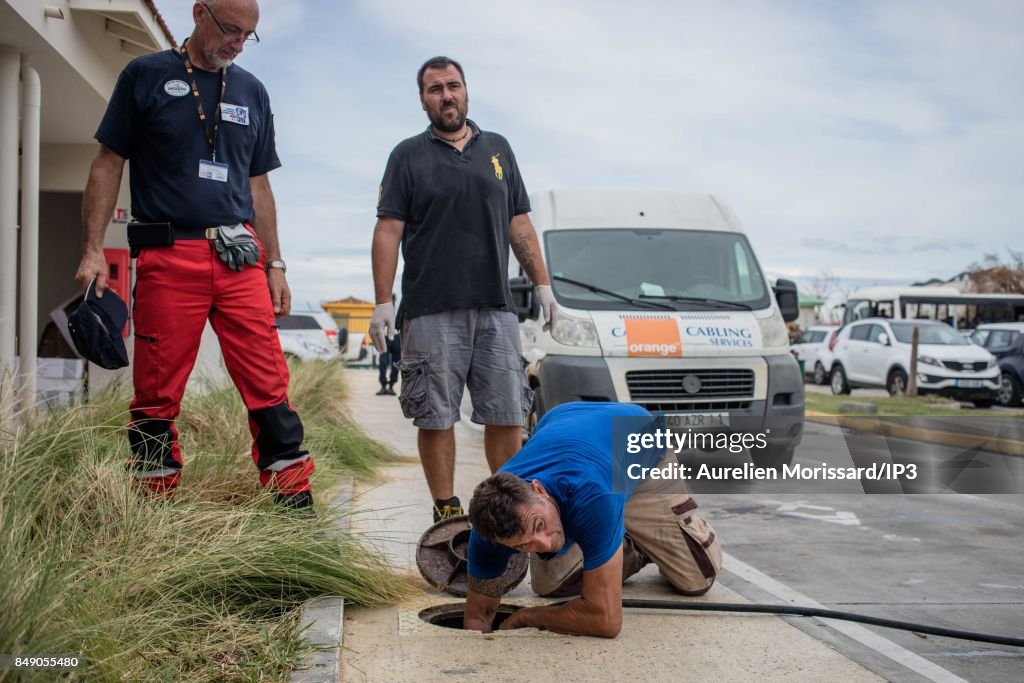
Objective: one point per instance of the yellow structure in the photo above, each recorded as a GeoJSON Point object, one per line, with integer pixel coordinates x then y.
{"type": "Point", "coordinates": [350, 314]}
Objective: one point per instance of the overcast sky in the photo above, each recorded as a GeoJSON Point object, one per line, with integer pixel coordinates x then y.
{"type": "Point", "coordinates": [879, 140]}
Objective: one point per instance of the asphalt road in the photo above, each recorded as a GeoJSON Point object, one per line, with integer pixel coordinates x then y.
{"type": "Point", "coordinates": [953, 560]}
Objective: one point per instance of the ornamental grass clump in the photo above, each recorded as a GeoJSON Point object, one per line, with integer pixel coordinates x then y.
{"type": "Point", "coordinates": [204, 587]}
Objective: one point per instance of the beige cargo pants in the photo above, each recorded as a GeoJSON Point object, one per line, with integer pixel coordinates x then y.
{"type": "Point", "coordinates": [661, 527]}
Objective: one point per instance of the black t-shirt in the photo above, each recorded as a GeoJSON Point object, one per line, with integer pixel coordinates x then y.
{"type": "Point", "coordinates": [457, 208]}
{"type": "Point", "coordinates": [152, 121]}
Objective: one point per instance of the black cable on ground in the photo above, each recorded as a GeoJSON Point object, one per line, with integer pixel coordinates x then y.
{"type": "Point", "coordinates": [794, 610]}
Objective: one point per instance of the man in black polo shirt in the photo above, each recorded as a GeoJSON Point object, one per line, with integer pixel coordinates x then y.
{"type": "Point", "coordinates": [200, 136]}
{"type": "Point", "coordinates": [454, 200]}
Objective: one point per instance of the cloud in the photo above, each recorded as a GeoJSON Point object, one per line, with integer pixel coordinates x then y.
{"type": "Point", "coordinates": [822, 123]}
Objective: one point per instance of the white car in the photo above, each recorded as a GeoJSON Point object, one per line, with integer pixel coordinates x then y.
{"type": "Point", "coordinates": [875, 352]}
{"type": "Point", "coordinates": [308, 335]}
{"type": "Point", "coordinates": [812, 349]}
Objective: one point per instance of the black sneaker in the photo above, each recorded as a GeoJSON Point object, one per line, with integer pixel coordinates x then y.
{"type": "Point", "coordinates": [295, 501]}
{"type": "Point", "coordinates": [390, 390]}
{"type": "Point", "coordinates": [384, 391]}
{"type": "Point", "coordinates": [446, 509]}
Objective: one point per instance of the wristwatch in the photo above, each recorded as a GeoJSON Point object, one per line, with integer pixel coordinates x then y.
{"type": "Point", "coordinates": [278, 263]}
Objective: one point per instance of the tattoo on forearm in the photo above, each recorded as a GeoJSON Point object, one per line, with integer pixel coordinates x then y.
{"type": "Point", "coordinates": [489, 587]}
{"type": "Point", "coordinates": [524, 253]}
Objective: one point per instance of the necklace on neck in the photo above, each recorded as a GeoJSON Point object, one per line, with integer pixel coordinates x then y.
{"type": "Point", "coordinates": [458, 139]}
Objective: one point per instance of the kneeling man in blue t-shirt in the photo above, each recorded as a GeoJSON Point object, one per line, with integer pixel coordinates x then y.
{"type": "Point", "coordinates": [555, 499]}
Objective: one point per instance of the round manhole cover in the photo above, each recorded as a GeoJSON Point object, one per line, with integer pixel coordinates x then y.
{"type": "Point", "coordinates": [442, 558]}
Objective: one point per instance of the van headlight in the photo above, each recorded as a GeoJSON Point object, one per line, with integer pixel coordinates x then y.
{"type": "Point", "coordinates": [992, 362]}
{"type": "Point", "coordinates": [928, 360]}
{"type": "Point", "coordinates": [773, 330]}
{"type": "Point", "coordinates": [572, 331]}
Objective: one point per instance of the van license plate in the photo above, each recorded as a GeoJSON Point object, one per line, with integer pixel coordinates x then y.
{"type": "Point", "coordinates": [970, 383]}
{"type": "Point", "coordinates": [697, 420]}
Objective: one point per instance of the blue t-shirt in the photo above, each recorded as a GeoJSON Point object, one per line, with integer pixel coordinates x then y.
{"type": "Point", "coordinates": [153, 122]}
{"type": "Point", "coordinates": [571, 455]}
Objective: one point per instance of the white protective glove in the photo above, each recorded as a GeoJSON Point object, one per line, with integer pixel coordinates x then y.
{"type": "Point", "coordinates": [382, 325]}
{"type": "Point", "coordinates": [547, 304]}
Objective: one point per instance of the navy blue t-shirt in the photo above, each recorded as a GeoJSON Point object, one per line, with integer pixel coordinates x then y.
{"type": "Point", "coordinates": [152, 121]}
{"type": "Point", "coordinates": [571, 455]}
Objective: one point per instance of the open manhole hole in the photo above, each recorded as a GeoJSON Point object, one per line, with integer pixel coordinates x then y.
{"type": "Point", "coordinates": [450, 615]}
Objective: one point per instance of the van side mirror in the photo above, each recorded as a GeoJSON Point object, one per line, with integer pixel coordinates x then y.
{"type": "Point", "coordinates": [789, 300]}
{"type": "Point", "coordinates": [527, 305]}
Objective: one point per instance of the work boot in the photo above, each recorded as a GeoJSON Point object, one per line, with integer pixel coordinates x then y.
{"type": "Point", "coordinates": [446, 509]}
{"type": "Point", "coordinates": [295, 501]}
{"type": "Point", "coordinates": [384, 391]}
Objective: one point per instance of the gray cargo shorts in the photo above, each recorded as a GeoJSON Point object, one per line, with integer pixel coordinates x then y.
{"type": "Point", "coordinates": [442, 353]}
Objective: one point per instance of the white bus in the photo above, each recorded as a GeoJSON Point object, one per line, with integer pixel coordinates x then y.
{"type": "Point", "coordinates": [947, 304]}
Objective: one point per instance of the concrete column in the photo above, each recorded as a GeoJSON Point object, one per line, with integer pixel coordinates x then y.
{"type": "Point", "coordinates": [28, 301]}
{"type": "Point", "coordinates": [10, 68]}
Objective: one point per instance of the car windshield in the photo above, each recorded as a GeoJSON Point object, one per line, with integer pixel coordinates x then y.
{"type": "Point", "coordinates": [684, 269]}
{"type": "Point", "coordinates": [930, 334]}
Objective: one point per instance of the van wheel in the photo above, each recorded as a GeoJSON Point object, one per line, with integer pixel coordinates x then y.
{"type": "Point", "coordinates": [820, 376]}
{"type": "Point", "coordinates": [772, 456]}
{"type": "Point", "coordinates": [896, 383]}
{"type": "Point", "coordinates": [1009, 390]}
{"type": "Point", "coordinates": [838, 381]}
{"type": "Point", "coordinates": [534, 416]}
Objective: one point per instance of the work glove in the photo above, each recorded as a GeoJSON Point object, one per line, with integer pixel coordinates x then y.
{"type": "Point", "coordinates": [236, 247]}
{"type": "Point", "coordinates": [382, 325]}
{"type": "Point", "coordinates": [548, 306]}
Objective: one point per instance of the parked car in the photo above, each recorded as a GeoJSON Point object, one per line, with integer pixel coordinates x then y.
{"type": "Point", "coordinates": [876, 353]}
{"type": "Point", "coordinates": [308, 335]}
{"type": "Point", "coordinates": [812, 348]}
{"type": "Point", "coordinates": [1005, 341]}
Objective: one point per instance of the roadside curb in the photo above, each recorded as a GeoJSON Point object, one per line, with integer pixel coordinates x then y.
{"type": "Point", "coordinates": [880, 426]}
{"type": "Point", "coordinates": [322, 618]}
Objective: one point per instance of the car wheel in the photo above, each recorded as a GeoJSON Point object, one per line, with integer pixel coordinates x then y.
{"type": "Point", "coordinates": [838, 381]}
{"type": "Point", "coordinates": [896, 383]}
{"type": "Point", "coordinates": [820, 376]}
{"type": "Point", "coordinates": [1009, 390]}
{"type": "Point", "coordinates": [772, 457]}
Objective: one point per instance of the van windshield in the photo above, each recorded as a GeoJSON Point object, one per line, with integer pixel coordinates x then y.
{"type": "Point", "coordinates": [657, 265]}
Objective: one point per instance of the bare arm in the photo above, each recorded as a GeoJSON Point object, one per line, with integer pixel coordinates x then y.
{"type": "Point", "coordinates": [387, 235]}
{"type": "Point", "coordinates": [265, 225]}
{"type": "Point", "coordinates": [482, 601]}
{"type": "Point", "coordinates": [596, 612]}
{"type": "Point", "coordinates": [97, 208]}
{"type": "Point", "coordinates": [526, 247]}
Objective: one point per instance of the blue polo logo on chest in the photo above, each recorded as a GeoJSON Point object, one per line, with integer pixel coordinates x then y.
{"type": "Point", "coordinates": [176, 88]}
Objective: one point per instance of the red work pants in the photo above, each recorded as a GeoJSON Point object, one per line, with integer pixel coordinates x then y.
{"type": "Point", "coordinates": [177, 290]}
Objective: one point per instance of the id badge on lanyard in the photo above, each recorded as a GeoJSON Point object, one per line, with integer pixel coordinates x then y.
{"type": "Point", "coordinates": [208, 169]}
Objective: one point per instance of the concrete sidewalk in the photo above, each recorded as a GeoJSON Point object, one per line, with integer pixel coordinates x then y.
{"type": "Point", "coordinates": [393, 644]}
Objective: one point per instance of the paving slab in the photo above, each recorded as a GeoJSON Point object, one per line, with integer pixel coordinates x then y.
{"type": "Point", "coordinates": [393, 644]}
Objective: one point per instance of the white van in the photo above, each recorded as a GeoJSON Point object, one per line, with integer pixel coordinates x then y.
{"type": "Point", "coordinates": [662, 303]}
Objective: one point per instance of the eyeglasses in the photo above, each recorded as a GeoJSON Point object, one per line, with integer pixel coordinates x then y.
{"type": "Point", "coordinates": [248, 37]}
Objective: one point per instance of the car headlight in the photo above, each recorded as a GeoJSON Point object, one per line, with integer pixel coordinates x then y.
{"type": "Point", "coordinates": [572, 331]}
{"type": "Point", "coordinates": [992, 362]}
{"type": "Point", "coordinates": [773, 330]}
{"type": "Point", "coordinates": [928, 360]}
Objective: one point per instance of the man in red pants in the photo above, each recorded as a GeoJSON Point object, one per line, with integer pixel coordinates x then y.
{"type": "Point", "coordinates": [200, 136]}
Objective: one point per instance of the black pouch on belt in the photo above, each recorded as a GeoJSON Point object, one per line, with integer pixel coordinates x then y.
{"type": "Point", "coordinates": [236, 246]}
{"type": "Point", "coordinates": [149, 235]}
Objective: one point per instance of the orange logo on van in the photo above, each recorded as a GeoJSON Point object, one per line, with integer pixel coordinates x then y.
{"type": "Point", "coordinates": [653, 337]}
